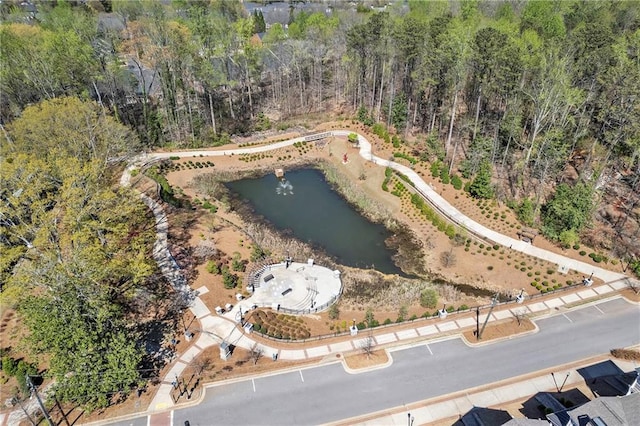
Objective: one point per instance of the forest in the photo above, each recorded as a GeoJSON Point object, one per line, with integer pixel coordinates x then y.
{"type": "Point", "coordinates": [536, 101]}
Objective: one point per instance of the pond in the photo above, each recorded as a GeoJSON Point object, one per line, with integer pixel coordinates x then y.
{"type": "Point", "coordinates": [305, 204]}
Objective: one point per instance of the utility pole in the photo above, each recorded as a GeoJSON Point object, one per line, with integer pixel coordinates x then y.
{"type": "Point", "coordinates": [16, 400]}
{"type": "Point", "coordinates": [35, 391]}
{"type": "Point", "coordinates": [493, 305]}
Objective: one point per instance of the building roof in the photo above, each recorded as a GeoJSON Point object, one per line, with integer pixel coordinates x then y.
{"type": "Point", "coordinates": [278, 12]}
{"type": "Point", "coordinates": [526, 422]}
{"type": "Point", "coordinates": [610, 411]}
{"type": "Point", "coordinates": [481, 416]}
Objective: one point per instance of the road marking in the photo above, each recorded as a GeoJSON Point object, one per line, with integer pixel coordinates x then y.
{"type": "Point", "coordinates": [171, 418]}
{"type": "Point", "coordinates": [568, 319]}
{"type": "Point", "coordinates": [254, 384]}
{"type": "Point", "coordinates": [149, 420]}
{"type": "Point", "coordinates": [599, 310]}
{"type": "Point", "coordinates": [301, 376]}
{"type": "Point", "coordinates": [430, 351]}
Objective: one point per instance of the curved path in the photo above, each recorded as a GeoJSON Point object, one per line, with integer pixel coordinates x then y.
{"type": "Point", "coordinates": [213, 326]}
{"type": "Point", "coordinates": [425, 190]}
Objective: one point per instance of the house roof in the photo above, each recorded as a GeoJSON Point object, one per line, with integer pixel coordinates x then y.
{"type": "Point", "coordinates": [526, 422]}
{"type": "Point", "coordinates": [611, 411]}
{"type": "Point", "coordinates": [278, 12]}
{"type": "Point", "coordinates": [481, 416]}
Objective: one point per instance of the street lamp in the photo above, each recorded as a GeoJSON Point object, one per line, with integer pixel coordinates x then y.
{"type": "Point", "coordinates": [410, 419]}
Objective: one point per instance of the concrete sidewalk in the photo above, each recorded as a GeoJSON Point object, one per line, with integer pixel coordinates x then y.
{"type": "Point", "coordinates": [214, 329]}
{"type": "Point", "coordinates": [456, 405]}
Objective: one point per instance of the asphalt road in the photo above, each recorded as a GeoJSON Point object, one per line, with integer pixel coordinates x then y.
{"type": "Point", "coordinates": [324, 394]}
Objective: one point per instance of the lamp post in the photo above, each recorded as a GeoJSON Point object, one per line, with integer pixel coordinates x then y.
{"type": "Point", "coordinates": [34, 391]}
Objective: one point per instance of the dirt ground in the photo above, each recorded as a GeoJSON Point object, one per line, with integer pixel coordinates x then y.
{"type": "Point", "coordinates": [362, 361]}
{"type": "Point", "coordinates": [478, 265]}
{"type": "Point", "coordinates": [500, 330]}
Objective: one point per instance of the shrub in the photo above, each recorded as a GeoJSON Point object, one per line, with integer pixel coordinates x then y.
{"type": "Point", "coordinates": [238, 265]}
{"type": "Point", "coordinates": [596, 257]}
{"type": "Point", "coordinates": [213, 267]}
{"type": "Point", "coordinates": [409, 158]}
{"type": "Point", "coordinates": [456, 182]}
{"type": "Point", "coordinates": [525, 212]}
{"type": "Point", "coordinates": [9, 365]}
{"type": "Point", "coordinates": [229, 280]}
{"type": "Point", "coordinates": [569, 238]}
{"type": "Point", "coordinates": [435, 169]}
{"type": "Point", "coordinates": [450, 231]}
{"type": "Point", "coordinates": [334, 312]}
{"type": "Point", "coordinates": [444, 176]}
{"type": "Point", "coordinates": [387, 321]}
{"type": "Point", "coordinates": [429, 298]}
{"type": "Point", "coordinates": [211, 207]}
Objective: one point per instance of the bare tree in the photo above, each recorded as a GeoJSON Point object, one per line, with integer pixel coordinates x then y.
{"type": "Point", "coordinates": [634, 285]}
{"type": "Point", "coordinates": [200, 364]}
{"type": "Point", "coordinates": [520, 315]}
{"type": "Point", "coordinates": [367, 346]}
{"type": "Point", "coordinates": [206, 249]}
{"type": "Point", "coordinates": [255, 353]}
{"type": "Point", "coordinates": [448, 258]}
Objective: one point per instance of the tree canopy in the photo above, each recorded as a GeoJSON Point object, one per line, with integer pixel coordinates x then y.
{"type": "Point", "coordinates": [75, 248]}
{"type": "Point", "coordinates": [533, 101]}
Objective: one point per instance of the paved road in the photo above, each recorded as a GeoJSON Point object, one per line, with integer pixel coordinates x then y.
{"type": "Point", "coordinates": [319, 398]}
{"type": "Point", "coordinates": [324, 394]}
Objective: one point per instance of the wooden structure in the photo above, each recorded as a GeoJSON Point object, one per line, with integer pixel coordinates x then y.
{"type": "Point", "coordinates": [527, 234]}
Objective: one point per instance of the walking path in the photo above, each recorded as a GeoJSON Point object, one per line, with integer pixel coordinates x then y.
{"type": "Point", "coordinates": [215, 328]}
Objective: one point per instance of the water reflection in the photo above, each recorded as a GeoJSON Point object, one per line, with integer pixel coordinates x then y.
{"type": "Point", "coordinates": [316, 214]}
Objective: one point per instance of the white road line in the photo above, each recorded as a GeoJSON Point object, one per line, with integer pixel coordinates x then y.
{"type": "Point", "coordinates": [254, 384]}
{"type": "Point", "coordinates": [568, 319]}
{"type": "Point", "coordinates": [430, 351]}
{"type": "Point", "coordinates": [171, 418]}
{"type": "Point", "coordinates": [301, 376]}
{"type": "Point", "coordinates": [149, 420]}
{"type": "Point", "coordinates": [599, 310]}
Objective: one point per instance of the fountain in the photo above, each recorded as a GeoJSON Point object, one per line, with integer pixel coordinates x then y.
{"type": "Point", "coordinates": [284, 188]}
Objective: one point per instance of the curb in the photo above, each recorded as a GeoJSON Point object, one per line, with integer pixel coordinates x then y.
{"type": "Point", "coordinates": [379, 415]}
{"type": "Point", "coordinates": [354, 371]}
{"type": "Point", "coordinates": [480, 344]}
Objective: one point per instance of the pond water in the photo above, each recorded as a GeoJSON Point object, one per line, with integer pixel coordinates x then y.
{"type": "Point", "coordinates": [305, 204]}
